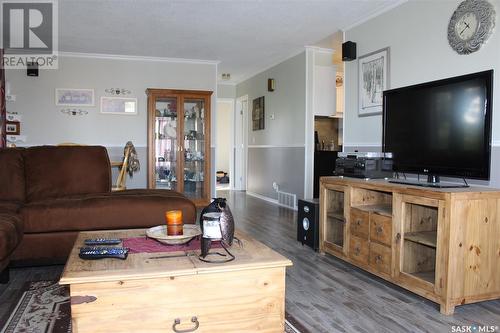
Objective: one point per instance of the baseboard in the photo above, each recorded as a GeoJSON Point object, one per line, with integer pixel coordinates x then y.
{"type": "Point", "coordinates": [270, 200]}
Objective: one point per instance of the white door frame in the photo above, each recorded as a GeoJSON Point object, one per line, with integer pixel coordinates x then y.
{"type": "Point", "coordinates": [241, 163]}
{"type": "Point", "coordinates": [231, 102]}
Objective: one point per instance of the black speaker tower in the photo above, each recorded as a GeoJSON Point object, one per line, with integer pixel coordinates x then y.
{"type": "Point", "coordinates": [348, 51]}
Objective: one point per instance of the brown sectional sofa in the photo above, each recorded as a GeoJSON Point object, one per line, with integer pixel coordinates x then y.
{"type": "Point", "coordinates": [48, 194]}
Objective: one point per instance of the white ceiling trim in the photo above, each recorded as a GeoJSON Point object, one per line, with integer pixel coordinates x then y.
{"type": "Point", "coordinates": [136, 58]}
{"type": "Point", "coordinates": [373, 15]}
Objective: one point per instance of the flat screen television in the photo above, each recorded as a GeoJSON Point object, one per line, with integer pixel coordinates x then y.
{"type": "Point", "coordinates": [441, 128]}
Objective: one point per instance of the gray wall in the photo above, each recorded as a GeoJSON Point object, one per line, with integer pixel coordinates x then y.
{"type": "Point", "coordinates": [277, 152]}
{"type": "Point", "coordinates": [416, 33]}
{"type": "Point", "coordinates": [43, 123]}
{"type": "Point", "coordinates": [226, 90]}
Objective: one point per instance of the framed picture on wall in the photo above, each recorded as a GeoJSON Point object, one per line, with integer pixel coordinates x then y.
{"type": "Point", "coordinates": [258, 114]}
{"type": "Point", "coordinates": [373, 71]}
{"type": "Point", "coordinates": [74, 97]}
{"type": "Point", "coordinates": [119, 105]}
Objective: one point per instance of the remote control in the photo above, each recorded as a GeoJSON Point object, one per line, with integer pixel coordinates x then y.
{"type": "Point", "coordinates": [102, 241]}
{"type": "Point", "coordinates": [103, 252]}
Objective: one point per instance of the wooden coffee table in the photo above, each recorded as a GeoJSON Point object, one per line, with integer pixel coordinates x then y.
{"type": "Point", "coordinates": [177, 294]}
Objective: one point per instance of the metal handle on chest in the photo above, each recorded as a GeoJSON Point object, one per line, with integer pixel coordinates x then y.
{"type": "Point", "coordinates": [177, 321]}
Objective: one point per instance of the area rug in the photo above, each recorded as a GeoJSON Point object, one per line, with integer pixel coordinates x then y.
{"type": "Point", "coordinates": [44, 307]}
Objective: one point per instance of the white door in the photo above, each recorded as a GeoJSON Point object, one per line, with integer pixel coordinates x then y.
{"type": "Point", "coordinates": [240, 143]}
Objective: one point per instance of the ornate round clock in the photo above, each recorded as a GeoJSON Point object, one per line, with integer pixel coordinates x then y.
{"type": "Point", "coordinates": [471, 25]}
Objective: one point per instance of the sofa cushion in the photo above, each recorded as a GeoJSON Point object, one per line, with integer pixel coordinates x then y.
{"type": "Point", "coordinates": [12, 184]}
{"type": "Point", "coordinates": [54, 172]}
{"type": "Point", "coordinates": [11, 234]}
{"type": "Point", "coordinates": [119, 210]}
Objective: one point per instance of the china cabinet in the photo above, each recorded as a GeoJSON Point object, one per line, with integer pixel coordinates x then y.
{"type": "Point", "coordinates": [179, 142]}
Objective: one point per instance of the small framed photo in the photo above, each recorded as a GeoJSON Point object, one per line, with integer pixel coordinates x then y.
{"type": "Point", "coordinates": [12, 128]}
{"type": "Point", "coordinates": [258, 114]}
{"type": "Point", "coordinates": [373, 72]}
{"type": "Point", "coordinates": [75, 97]}
{"type": "Point", "coordinates": [119, 105]}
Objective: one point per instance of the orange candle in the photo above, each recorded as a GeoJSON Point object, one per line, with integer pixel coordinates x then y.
{"type": "Point", "coordinates": [174, 222]}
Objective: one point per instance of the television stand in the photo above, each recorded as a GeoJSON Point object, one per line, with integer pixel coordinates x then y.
{"type": "Point", "coordinates": [441, 244]}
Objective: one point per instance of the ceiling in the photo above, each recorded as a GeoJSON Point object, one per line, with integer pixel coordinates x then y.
{"type": "Point", "coordinates": [245, 36]}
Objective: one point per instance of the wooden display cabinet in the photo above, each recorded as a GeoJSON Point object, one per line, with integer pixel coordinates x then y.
{"type": "Point", "coordinates": [179, 142]}
{"type": "Point", "coordinates": [442, 244]}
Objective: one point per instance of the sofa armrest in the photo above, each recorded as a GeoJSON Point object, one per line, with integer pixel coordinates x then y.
{"type": "Point", "coordinates": [11, 234]}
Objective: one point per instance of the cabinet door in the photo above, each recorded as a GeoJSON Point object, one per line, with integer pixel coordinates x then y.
{"type": "Point", "coordinates": [196, 148]}
{"type": "Point", "coordinates": [166, 143]}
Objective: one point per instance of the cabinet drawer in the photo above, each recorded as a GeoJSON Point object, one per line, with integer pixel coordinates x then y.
{"type": "Point", "coordinates": [381, 229]}
{"type": "Point", "coordinates": [358, 249]}
{"type": "Point", "coordinates": [360, 223]}
{"type": "Point", "coordinates": [380, 258]}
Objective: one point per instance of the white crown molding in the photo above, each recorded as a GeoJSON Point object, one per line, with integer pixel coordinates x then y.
{"type": "Point", "coordinates": [248, 75]}
{"type": "Point", "coordinates": [136, 58]}
{"type": "Point", "coordinates": [320, 49]}
{"type": "Point", "coordinates": [373, 15]}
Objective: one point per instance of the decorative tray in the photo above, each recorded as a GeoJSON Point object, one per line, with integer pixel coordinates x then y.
{"type": "Point", "coordinates": [160, 234]}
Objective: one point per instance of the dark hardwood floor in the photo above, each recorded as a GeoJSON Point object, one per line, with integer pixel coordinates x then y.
{"type": "Point", "coordinates": [324, 294]}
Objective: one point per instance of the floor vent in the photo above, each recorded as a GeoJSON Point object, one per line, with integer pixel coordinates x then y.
{"type": "Point", "coordinates": [287, 200]}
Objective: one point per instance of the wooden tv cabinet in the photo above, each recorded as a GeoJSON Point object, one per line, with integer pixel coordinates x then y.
{"type": "Point", "coordinates": [442, 244]}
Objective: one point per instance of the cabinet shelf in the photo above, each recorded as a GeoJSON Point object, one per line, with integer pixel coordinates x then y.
{"type": "Point", "coordinates": [382, 208]}
{"type": "Point", "coordinates": [426, 276]}
{"type": "Point", "coordinates": [427, 238]}
{"type": "Point", "coordinates": [336, 215]}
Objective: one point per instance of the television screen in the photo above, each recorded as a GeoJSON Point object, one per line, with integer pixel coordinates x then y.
{"type": "Point", "coordinates": [441, 127]}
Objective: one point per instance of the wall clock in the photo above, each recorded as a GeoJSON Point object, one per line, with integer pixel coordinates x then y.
{"type": "Point", "coordinates": [471, 25]}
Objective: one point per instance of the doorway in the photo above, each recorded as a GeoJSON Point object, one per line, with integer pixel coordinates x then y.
{"type": "Point", "coordinates": [224, 156]}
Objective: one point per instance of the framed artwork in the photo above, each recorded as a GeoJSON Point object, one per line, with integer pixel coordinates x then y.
{"type": "Point", "coordinates": [74, 97]}
{"type": "Point", "coordinates": [119, 105]}
{"type": "Point", "coordinates": [373, 71]}
{"type": "Point", "coordinates": [258, 114]}
{"type": "Point", "coordinates": [13, 128]}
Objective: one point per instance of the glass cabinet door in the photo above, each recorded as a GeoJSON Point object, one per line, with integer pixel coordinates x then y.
{"type": "Point", "coordinates": [194, 148]}
{"type": "Point", "coordinates": [166, 143]}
